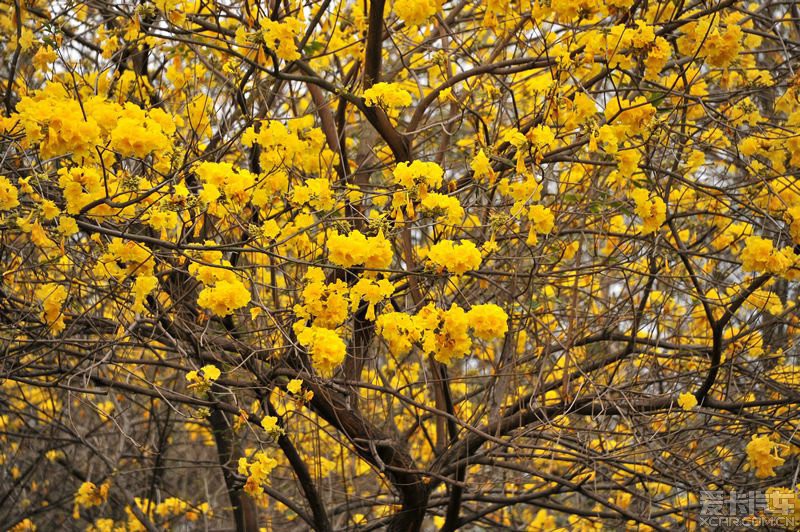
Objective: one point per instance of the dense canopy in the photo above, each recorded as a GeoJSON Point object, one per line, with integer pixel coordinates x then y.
{"type": "Point", "coordinates": [405, 265]}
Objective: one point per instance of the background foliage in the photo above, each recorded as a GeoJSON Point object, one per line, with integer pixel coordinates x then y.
{"type": "Point", "coordinates": [355, 265]}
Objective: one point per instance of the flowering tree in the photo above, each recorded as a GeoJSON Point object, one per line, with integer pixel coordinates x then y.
{"type": "Point", "coordinates": [357, 265]}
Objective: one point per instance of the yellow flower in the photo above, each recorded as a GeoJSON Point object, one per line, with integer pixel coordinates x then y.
{"type": "Point", "coordinates": [325, 304]}
{"type": "Point", "coordinates": [257, 472]}
{"type": "Point", "coordinates": [137, 135]}
{"type": "Point", "coordinates": [482, 167]}
{"type": "Point", "coordinates": [143, 285]}
{"type": "Point", "coordinates": [372, 292]}
{"type": "Point", "coordinates": [49, 209]}
{"type": "Point", "coordinates": [456, 258]}
{"type": "Point", "coordinates": [52, 297]}
{"type": "Point", "coordinates": [8, 195]}
{"type": "Point", "coordinates": [541, 137]}
{"type": "Point", "coordinates": [387, 95]}
{"type": "Point", "coordinates": [355, 248]}
{"type": "Point", "coordinates": [687, 401]}
{"type": "Point", "coordinates": [171, 507]}
{"type": "Point", "coordinates": [294, 386]}
{"type": "Point", "coordinates": [761, 458]}
{"type": "Point", "coordinates": [193, 514]}
{"type": "Point", "coordinates": [43, 58]}
{"type": "Point", "coordinates": [327, 350]}
{"type": "Point", "coordinates": [488, 321]}
{"type": "Point", "coordinates": [26, 525]}
{"type": "Point", "coordinates": [759, 255]}
{"type": "Point", "coordinates": [542, 222]}
{"type": "Point", "coordinates": [399, 330]}
{"type": "Point", "coordinates": [205, 376]}
{"type": "Point", "coordinates": [224, 297]}
{"type": "Point", "coordinates": [635, 115]}
{"type": "Point", "coordinates": [89, 495]}
{"type": "Point", "coordinates": [657, 58]}
{"type": "Point", "coordinates": [445, 335]}
{"type": "Point", "coordinates": [316, 192]}
{"type": "Point", "coordinates": [416, 173]}
{"type": "Point", "coordinates": [416, 12]}
{"type": "Point", "coordinates": [270, 229]}
{"type": "Point", "coordinates": [270, 425]}
{"type": "Point", "coordinates": [202, 509]}
{"type": "Point", "coordinates": [280, 36]}
{"type": "Point", "coordinates": [652, 211]}
{"type": "Point", "coordinates": [453, 212]}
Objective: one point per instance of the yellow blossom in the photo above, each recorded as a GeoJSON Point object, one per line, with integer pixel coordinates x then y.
{"type": "Point", "coordinates": [355, 248]}
{"type": "Point", "coordinates": [52, 297]}
{"type": "Point", "coordinates": [488, 321]}
{"type": "Point", "coordinates": [89, 495]}
{"type": "Point", "coordinates": [456, 258]}
{"type": "Point", "coordinates": [652, 210]}
{"type": "Point", "coordinates": [482, 167]}
{"type": "Point", "coordinates": [294, 386]}
{"type": "Point", "coordinates": [759, 255]}
{"type": "Point", "coordinates": [762, 456]}
{"type": "Point", "coordinates": [203, 377]}
{"type": "Point", "coordinates": [8, 195]}
{"type": "Point", "coordinates": [327, 349]}
{"type": "Point", "coordinates": [687, 400]}
{"type": "Point", "coordinates": [224, 297]}
{"type": "Point", "coordinates": [387, 95]}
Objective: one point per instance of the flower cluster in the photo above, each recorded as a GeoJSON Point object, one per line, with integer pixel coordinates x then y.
{"type": "Point", "coordinates": [139, 133]}
{"type": "Point", "coordinates": [441, 333]}
{"type": "Point", "coordinates": [448, 208]}
{"type": "Point", "coordinates": [8, 195]}
{"type": "Point", "coordinates": [373, 292]}
{"type": "Point", "coordinates": [387, 95]}
{"type": "Point", "coordinates": [759, 255]}
{"type": "Point", "coordinates": [488, 321]}
{"type": "Point", "coordinates": [416, 12]}
{"type": "Point", "coordinates": [204, 377]}
{"type": "Point", "coordinates": [456, 258]}
{"type": "Point", "coordinates": [634, 115]}
{"type": "Point", "coordinates": [315, 192]}
{"type": "Point", "coordinates": [142, 287]}
{"type": "Point", "coordinates": [271, 426]}
{"type": "Point", "coordinates": [224, 291]}
{"type": "Point", "coordinates": [416, 173]}
{"type": "Point", "coordinates": [652, 210]}
{"type": "Point", "coordinates": [224, 297]}
{"type": "Point", "coordinates": [81, 185]}
{"type": "Point", "coordinates": [324, 304]}
{"type": "Point", "coordinates": [56, 122]}
{"type": "Point", "coordinates": [400, 331]}
{"type": "Point", "coordinates": [52, 297]}
{"type": "Point", "coordinates": [223, 178]}
{"type": "Point", "coordinates": [482, 167]}
{"type": "Point", "coordinates": [687, 400]}
{"type": "Point", "coordinates": [542, 222]}
{"type": "Point", "coordinates": [257, 472]}
{"type": "Point", "coordinates": [327, 349]}
{"type": "Point", "coordinates": [280, 36]}
{"type": "Point", "coordinates": [62, 125]}
{"type": "Point", "coordinates": [297, 145]}
{"type": "Point", "coordinates": [762, 456]}
{"type": "Point", "coordinates": [89, 495]}
{"type": "Point", "coordinates": [125, 258]}
{"type": "Point", "coordinates": [356, 249]}
{"type": "Point", "coordinates": [720, 46]}
{"type": "Point", "coordinates": [174, 507]}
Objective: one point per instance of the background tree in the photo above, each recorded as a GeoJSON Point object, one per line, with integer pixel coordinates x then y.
{"type": "Point", "coordinates": [356, 265]}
